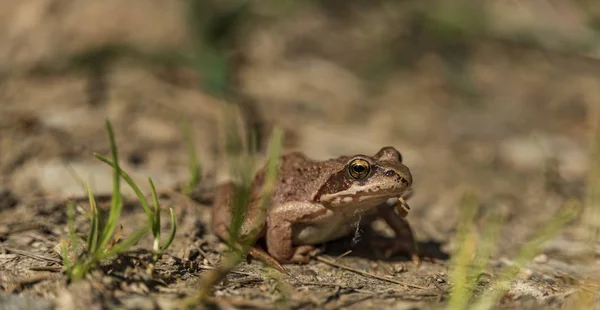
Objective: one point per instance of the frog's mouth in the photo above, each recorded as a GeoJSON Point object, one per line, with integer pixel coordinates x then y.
{"type": "Point", "coordinates": [362, 201]}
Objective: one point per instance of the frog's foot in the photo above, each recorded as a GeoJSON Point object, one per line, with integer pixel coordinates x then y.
{"type": "Point", "coordinates": [396, 246]}
{"type": "Point", "coordinates": [302, 254]}
{"type": "Point", "coordinates": [404, 241]}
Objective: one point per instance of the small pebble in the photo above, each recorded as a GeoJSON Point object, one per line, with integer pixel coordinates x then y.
{"type": "Point", "coordinates": [310, 273]}
{"type": "Point", "coordinates": [399, 268]}
{"type": "Point", "coordinates": [525, 274]}
{"type": "Point", "coordinates": [541, 259]}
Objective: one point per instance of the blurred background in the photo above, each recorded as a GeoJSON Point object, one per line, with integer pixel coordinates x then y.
{"type": "Point", "coordinates": [493, 96]}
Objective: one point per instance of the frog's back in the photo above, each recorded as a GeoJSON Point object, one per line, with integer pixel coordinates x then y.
{"type": "Point", "coordinates": [298, 179]}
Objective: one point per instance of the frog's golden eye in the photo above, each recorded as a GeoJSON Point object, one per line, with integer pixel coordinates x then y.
{"type": "Point", "coordinates": [359, 168]}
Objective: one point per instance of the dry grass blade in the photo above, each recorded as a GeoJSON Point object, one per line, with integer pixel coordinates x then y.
{"type": "Point", "coordinates": [116, 238]}
{"type": "Point", "coordinates": [32, 255]}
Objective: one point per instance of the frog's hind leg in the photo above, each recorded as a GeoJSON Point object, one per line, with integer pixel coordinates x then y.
{"type": "Point", "coordinates": [404, 240]}
{"type": "Point", "coordinates": [279, 234]}
{"type": "Point", "coordinates": [255, 251]}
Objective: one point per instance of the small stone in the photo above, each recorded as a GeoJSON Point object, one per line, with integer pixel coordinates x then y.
{"type": "Point", "coordinates": [222, 247]}
{"type": "Point", "coordinates": [398, 268]}
{"type": "Point", "coordinates": [310, 273]}
{"type": "Point", "coordinates": [525, 274]}
{"type": "Point", "coordinates": [541, 259]}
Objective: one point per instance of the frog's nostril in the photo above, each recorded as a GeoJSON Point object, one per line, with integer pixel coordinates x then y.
{"type": "Point", "coordinates": [390, 173]}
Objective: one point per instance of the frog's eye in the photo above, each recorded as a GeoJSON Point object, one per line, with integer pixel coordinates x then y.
{"type": "Point", "coordinates": [359, 169]}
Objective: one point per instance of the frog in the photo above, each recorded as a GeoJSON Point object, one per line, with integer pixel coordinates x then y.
{"type": "Point", "coordinates": [314, 202]}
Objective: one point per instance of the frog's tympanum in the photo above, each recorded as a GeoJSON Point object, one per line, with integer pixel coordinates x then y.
{"type": "Point", "coordinates": [315, 202]}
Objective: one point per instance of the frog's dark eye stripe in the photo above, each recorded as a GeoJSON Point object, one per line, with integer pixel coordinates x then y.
{"type": "Point", "coordinates": [359, 169]}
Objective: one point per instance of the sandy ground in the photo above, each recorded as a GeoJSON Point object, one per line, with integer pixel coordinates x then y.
{"type": "Point", "coordinates": [503, 118]}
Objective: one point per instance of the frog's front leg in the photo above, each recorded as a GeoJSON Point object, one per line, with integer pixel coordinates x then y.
{"type": "Point", "coordinates": [280, 221]}
{"type": "Point", "coordinates": [404, 240]}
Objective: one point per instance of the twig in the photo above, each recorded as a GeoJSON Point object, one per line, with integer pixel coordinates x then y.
{"type": "Point", "coordinates": [33, 255]}
{"type": "Point", "coordinates": [204, 254]}
{"type": "Point", "coordinates": [344, 254]}
{"type": "Point", "coordinates": [368, 274]}
{"type": "Point", "coordinates": [338, 286]}
{"type": "Point", "coordinates": [205, 267]}
{"type": "Point", "coordinates": [47, 268]}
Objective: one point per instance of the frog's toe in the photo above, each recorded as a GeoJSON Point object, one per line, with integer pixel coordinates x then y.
{"type": "Point", "coordinates": [302, 254]}
{"type": "Point", "coordinates": [399, 247]}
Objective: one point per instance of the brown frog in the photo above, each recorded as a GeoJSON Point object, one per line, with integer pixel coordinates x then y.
{"type": "Point", "coordinates": [315, 202]}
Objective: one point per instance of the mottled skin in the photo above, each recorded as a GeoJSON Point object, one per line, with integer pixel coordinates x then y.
{"type": "Point", "coordinates": [315, 202]}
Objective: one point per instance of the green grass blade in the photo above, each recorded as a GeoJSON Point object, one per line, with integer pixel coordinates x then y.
{"type": "Point", "coordinates": [64, 252]}
{"type": "Point", "coordinates": [92, 240]}
{"type": "Point", "coordinates": [173, 230]}
{"type": "Point", "coordinates": [591, 218]}
{"type": "Point", "coordinates": [241, 163]}
{"type": "Point", "coordinates": [156, 223]}
{"type": "Point", "coordinates": [270, 179]}
{"type": "Point", "coordinates": [527, 253]}
{"type": "Point", "coordinates": [590, 221]}
{"type": "Point", "coordinates": [67, 263]}
{"type": "Point", "coordinates": [194, 164]}
{"type": "Point", "coordinates": [71, 223]}
{"type": "Point", "coordinates": [461, 290]}
{"type": "Point", "coordinates": [116, 200]}
{"type": "Point", "coordinates": [131, 183]}
{"type": "Point", "coordinates": [240, 203]}
{"type": "Point", "coordinates": [125, 244]}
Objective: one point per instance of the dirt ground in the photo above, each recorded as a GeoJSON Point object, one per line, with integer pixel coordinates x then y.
{"type": "Point", "coordinates": [506, 118]}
